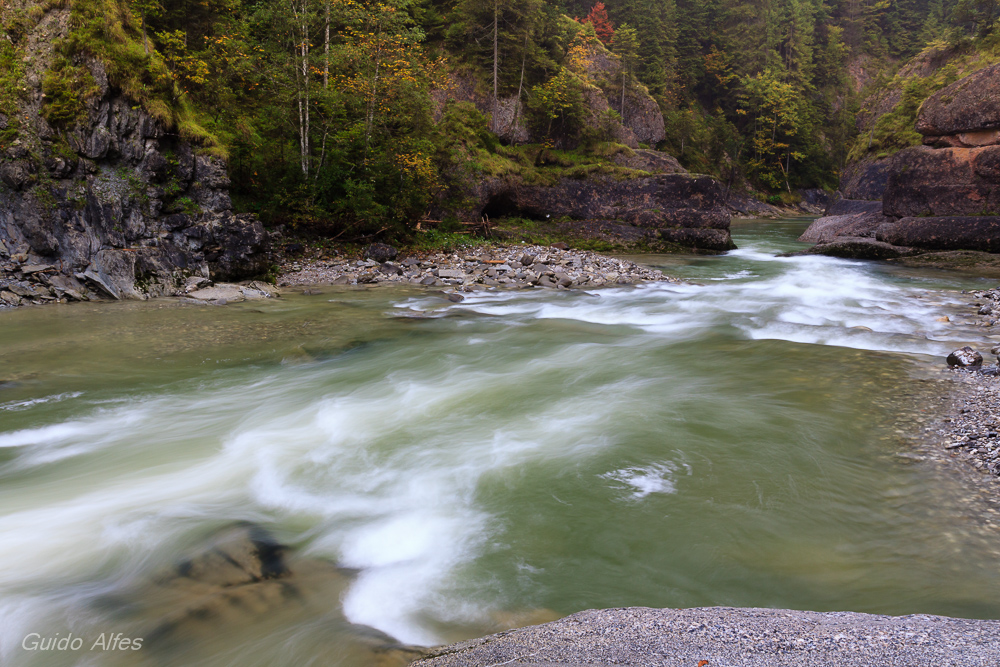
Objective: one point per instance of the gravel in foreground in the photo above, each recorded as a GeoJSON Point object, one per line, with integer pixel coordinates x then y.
{"type": "Point", "coordinates": [480, 268]}
{"type": "Point", "coordinates": [727, 637]}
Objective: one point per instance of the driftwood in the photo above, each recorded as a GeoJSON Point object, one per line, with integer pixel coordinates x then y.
{"type": "Point", "coordinates": [482, 226]}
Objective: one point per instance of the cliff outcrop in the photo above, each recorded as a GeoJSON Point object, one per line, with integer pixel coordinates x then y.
{"type": "Point", "coordinates": [944, 195]}
{"type": "Point", "coordinates": [113, 202]}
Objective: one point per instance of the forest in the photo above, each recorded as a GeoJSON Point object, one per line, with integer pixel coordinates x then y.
{"type": "Point", "coordinates": [336, 116]}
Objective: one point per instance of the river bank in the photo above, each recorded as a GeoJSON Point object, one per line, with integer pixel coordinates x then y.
{"type": "Point", "coordinates": [470, 269]}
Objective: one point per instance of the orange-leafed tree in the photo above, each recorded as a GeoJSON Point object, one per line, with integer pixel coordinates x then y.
{"type": "Point", "coordinates": [598, 17]}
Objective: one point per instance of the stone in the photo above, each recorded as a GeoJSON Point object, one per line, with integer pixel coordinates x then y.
{"type": "Point", "coordinates": [527, 260]}
{"type": "Point", "coordinates": [391, 269]}
{"type": "Point", "coordinates": [545, 281]}
{"type": "Point", "coordinates": [965, 357]}
{"type": "Point", "coordinates": [717, 240]}
{"type": "Point", "coordinates": [196, 282]}
{"type": "Point", "coordinates": [36, 268]}
{"type": "Point", "coordinates": [380, 252]}
{"type": "Point", "coordinates": [456, 298]}
{"type": "Point", "coordinates": [966, 106]}
{"type": "Point", "coordinates": [342, 280]}
{"type": "Point", "coordinates": [559, 246]}
{"type": "Point", "coordinates": [10, 298]}
{"type": "Point", "coordinates": [563, 280]}
{"type": "Point", "coordinates": [944, 233]}
{"type": "Point", "coordinates": [450, 273]}
{"type": "Point", "coordinates": [860, 248]}
{"type": "Point", "coordinates": [944, 182]}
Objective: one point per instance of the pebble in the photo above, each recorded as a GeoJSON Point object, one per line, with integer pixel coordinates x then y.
{"type": "Point", "coordinates": [509, 267]}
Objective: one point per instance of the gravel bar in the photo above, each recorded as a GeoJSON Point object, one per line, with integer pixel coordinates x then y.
{"type": "Point", "coordinates": [728, 637]}
{"type": "Point", "coordinates": [478, 268]}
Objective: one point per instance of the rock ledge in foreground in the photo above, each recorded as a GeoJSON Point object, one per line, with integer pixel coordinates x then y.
{"type": "Point", "coordinates": [733, 637]}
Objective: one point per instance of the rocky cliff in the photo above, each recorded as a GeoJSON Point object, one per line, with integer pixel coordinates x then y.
{"type": "Point", "coordinates": [943, 195]}
{"type": "Point", "coordinates": [647, 201]}
{"type": "Point", "coordinates": [112, 203]}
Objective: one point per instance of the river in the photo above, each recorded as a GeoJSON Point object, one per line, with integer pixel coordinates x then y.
{"type": "Point", "coordinates": [526, 454]}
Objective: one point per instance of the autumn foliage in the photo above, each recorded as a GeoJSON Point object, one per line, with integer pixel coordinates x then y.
{"type": "Point", "coordinates": [598, 17]}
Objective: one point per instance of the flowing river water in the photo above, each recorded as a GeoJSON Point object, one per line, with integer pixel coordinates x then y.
{"type": "Point", "coordinates": [517, 456]}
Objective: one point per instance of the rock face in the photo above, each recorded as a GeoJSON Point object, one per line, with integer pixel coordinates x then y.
{"type": "Point", "coordinates": [965, 113]}
{"type": "Point", "coordinates": [944, 182]}
{"type": "Point", "coordinates": [118, 206]}
{"type": "Point", "coordinates": [944, 195]}
{"type": "Point", "coordinates": [686, 210]}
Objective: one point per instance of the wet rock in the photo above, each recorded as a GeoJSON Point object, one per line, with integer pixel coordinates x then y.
{"type": "Point", "coordinates": [456, 298]}
{"type": "Point", "coordinates": [231, 293]}
{"type": "Point", "coordinates": [240, 555]}
{"type": "Point", "coordinates": [860, 248]}
{"type": "Point", "coordinates": [717, 240]}
{"type": "Point", "coordinates": [380, 252]}
{"type": "Point", "coordinates": [965, 357]}
{"type": "Point", "coordinates": [944, 182]}
{"type": "Point", "coordinates": [943, 233]}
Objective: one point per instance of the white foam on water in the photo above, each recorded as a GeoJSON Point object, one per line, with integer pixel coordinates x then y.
{"type": "Point", "coordinates": [24, 405]}
{"type": "Point", "coordinates": [815, 300]}
{"type": "Point", "coordinates": [642, 481]}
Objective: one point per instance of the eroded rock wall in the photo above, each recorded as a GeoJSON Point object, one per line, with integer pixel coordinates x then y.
{"type": "Point", "coordinates": [116, 206]}
{"type": "Point", "coordinates": [944, 195]}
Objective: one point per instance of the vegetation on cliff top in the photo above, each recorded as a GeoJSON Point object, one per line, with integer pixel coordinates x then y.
{"type": "Point", "coordinates": [335, 117]}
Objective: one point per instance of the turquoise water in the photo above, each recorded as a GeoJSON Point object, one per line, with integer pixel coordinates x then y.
{"type": "Point", "coordinates": [517, 456]}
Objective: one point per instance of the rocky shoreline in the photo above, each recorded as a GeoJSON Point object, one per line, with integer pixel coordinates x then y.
{"type": "Point", "coordinates": [473, 269]}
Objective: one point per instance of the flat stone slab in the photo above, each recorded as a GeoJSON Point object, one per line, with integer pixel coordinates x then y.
{"type": "Point", "coordinates": [729, 637]}
{"type": "Point", "coordinates": [231, 293]}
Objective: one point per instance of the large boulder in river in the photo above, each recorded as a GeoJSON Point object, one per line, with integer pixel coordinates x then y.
{"type": "Point", "coordinates": [944, 233]}
{"type": "Point", "coordinates": [966, 113]}
{"type": "Point", "coordinates": [673, 204]}
{"type": "Point", "coordinates": [944, 182]}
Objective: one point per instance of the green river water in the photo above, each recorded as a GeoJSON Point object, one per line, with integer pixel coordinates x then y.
{"type": "Point", "coordinates": [731, 441]}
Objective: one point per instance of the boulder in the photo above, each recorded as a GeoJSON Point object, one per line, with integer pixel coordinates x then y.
{"type": "Point", "coordinates": [944, 182]}
{"type": "Point", "coordinates": [380, 252]}
{"type": "Point", "coordinates": [716, 240]}
{"type": "Point", "coordinates": [661, 201]}
{"type": "Point", "coordinates": [967, 107]}
{"type": "Point", "coordinates": [965, 357]}
{"type": "Point", "coordinates": [860, 248]}
{"type": "Point", "coordinates": [830, 227]}
{"type": "Point", "coordinates": [944, 233]}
